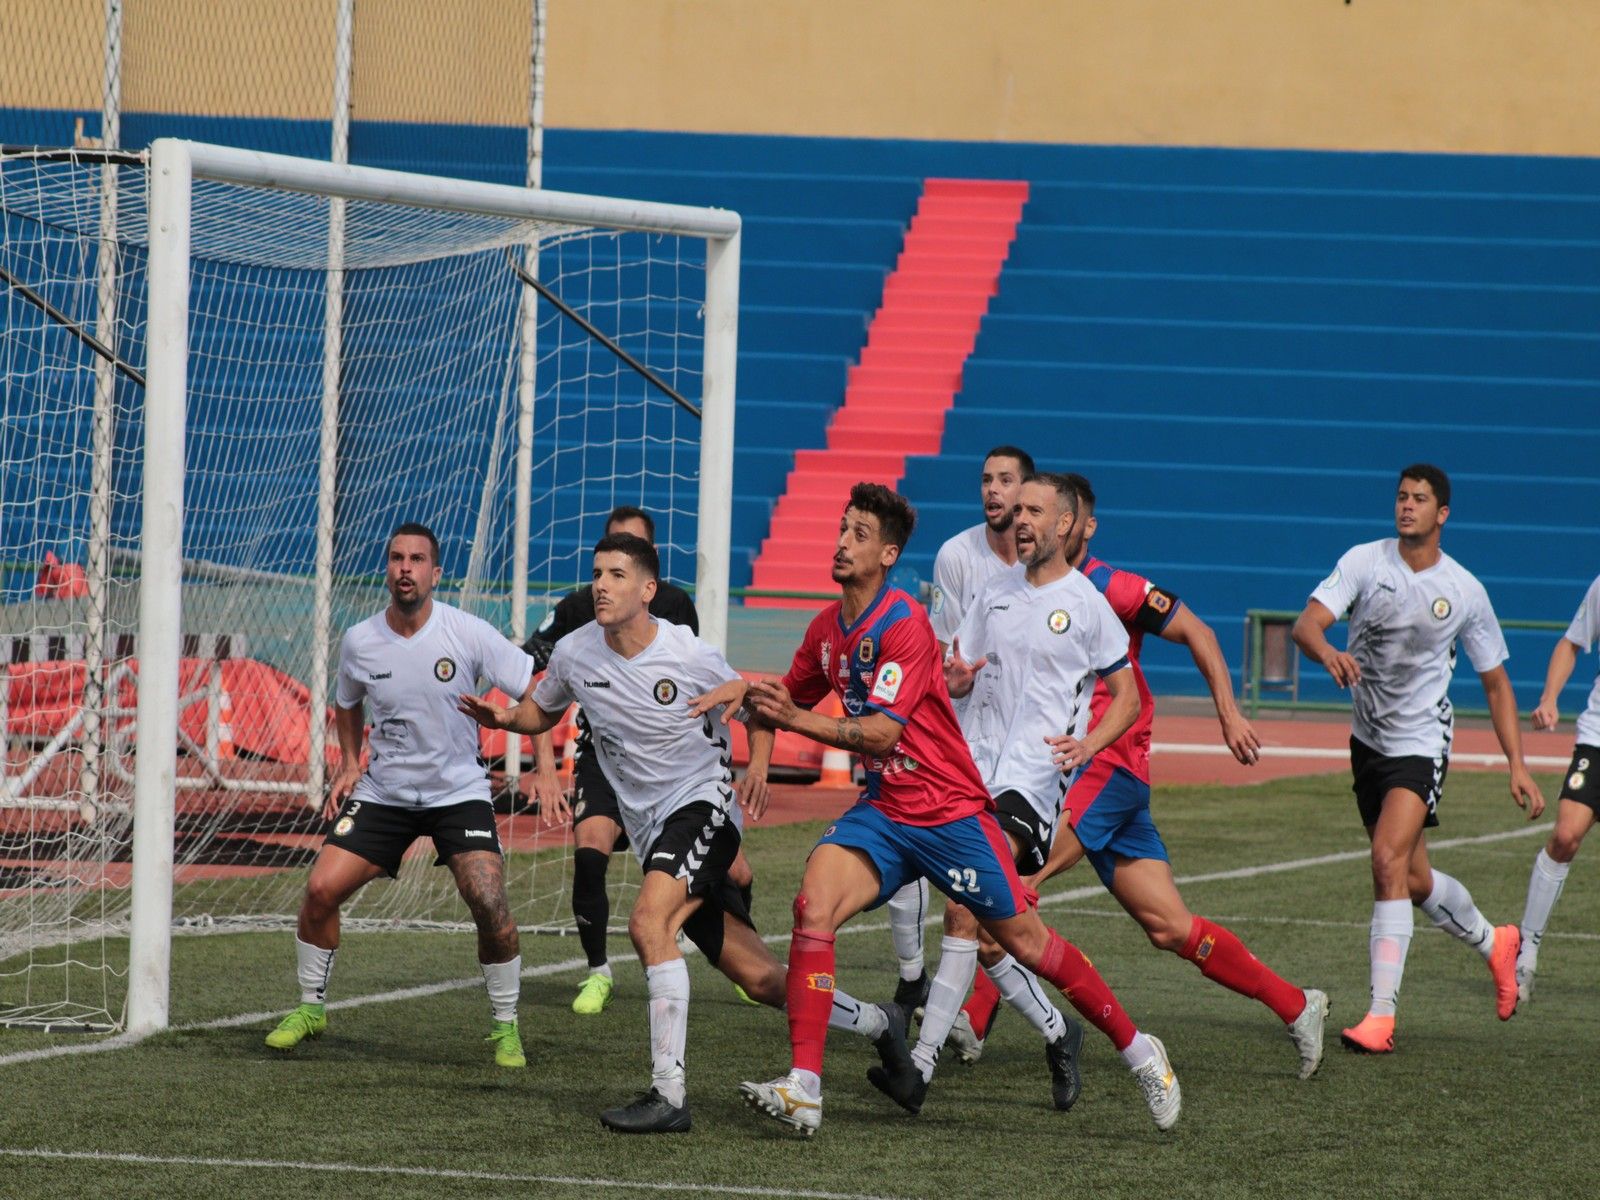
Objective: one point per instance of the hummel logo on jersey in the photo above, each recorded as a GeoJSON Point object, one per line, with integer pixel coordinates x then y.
{"type": "Point", "coordinates": [1385, 585]}
{"type": "Point", "coordinates": [597, 683]}
{"type": "Point", "coordinates": [483, 833]}
{"type": "Point", "coordinates": [377, 675]}
{"type": "Point", "coordinates": [999, 607]}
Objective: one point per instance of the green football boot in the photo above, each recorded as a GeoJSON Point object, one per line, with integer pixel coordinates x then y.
{"type": "Point", "coordinates": [307, 1021]}
{"type": "Point", "coordinates": [593, 996]}
{"type": "Point", "coordinates": [507, 1045]}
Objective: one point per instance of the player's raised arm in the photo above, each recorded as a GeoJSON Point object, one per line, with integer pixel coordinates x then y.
{"type": "Point", "coordinates": [1189, 630]}
{"type": "Point", "coordinates": [1503, 715]}
{"type": "Point", "coordinates": [959, 674]}
{"type": "Point", "coordinates": [523, 717]}
{"type": "Point", "coordinates": [729, 695]}
{"type": "Point", "coordinates": [873, 733]}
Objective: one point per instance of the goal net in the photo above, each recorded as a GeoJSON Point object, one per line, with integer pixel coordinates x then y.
{"type": "Point", "coordinates": [226, 377]}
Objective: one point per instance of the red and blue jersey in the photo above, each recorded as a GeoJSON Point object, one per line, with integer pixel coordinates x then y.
{"type": "Point", "coordinates": [1142, 608]}
{"type": "Point", "coordinates": [888, 661]}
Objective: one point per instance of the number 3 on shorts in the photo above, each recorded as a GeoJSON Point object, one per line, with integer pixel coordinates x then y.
{"type": "Point", "coordinates": [963, 879]}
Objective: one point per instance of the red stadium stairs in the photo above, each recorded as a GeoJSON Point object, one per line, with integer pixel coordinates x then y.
{"type": "Point", "coordinates": [910, 371]}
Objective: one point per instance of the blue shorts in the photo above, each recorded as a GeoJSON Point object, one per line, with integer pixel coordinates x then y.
{"type": "Point", "coordinates": [968, 860]}
{"type": "Point", "coordinates": [1109, 809]}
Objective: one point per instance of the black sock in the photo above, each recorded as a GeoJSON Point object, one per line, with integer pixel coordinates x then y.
{"type": "Point", "coordinates": [590, 904]}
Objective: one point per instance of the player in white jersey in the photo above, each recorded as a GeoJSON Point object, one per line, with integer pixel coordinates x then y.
{"type": "Point", "coordinates": [410, 664]}
{"type": "Point", "coordinates": [1580, 793]}
{"type": "Point", "coordinates": [963, 565]}
{"type": "Point", "coordinates": [1409, 604]}
{"type": "Point", "coordinates": [1040, 634]}
{"type": "Point", "coordinates": [644, 683]}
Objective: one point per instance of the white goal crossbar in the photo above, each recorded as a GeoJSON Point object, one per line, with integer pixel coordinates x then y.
{"type": "Point", "coordinates": [174, 166]}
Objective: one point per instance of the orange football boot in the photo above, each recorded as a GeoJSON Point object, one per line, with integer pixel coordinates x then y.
{"type": "Point", "coordinates": [1503, 966]}
{"type": "Point", "coordinates": [1375, 1035]}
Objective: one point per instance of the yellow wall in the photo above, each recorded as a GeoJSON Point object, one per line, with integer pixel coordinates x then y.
{"type": "Point", "coordinates": [1495, 76]}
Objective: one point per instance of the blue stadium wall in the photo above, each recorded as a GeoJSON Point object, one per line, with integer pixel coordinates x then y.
{"type": "Point", "coordinates": [1238, 346]}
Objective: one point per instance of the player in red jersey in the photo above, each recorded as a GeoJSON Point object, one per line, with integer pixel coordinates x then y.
{"type": "Point", "coordinates": [1107, 809]}
{"type": "Point", "coordinates": [924, 811]}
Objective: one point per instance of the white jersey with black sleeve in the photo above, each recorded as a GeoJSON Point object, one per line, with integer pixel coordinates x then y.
{"type": "Point", "coordinates": [656, 756]}
{"type": "Point", "coordinates": [1404, 626]}
{"type": "Point", "coordinates": [1046, 647]}
{"type": "Point", "coordinates": [1583, 631]}
{"type": "Point", "coordinates": [424, 749]}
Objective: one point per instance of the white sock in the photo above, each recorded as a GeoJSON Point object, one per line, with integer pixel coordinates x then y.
{"type": "Point", "coordinates": [1449, 906]}
{"type": "Point", "coordinates": [1544, 889]}
{"type": "Point", "coordinates": [504, 981]}
{"type": "Point", "coordinates": [668, 985]}
{"type": "Point", "coordinates": [1020, 989]}
{"type": "Point", "coordinates": [603, 969]}
{"type": "Point", "coordinates": [1137, 1052]}
{"type": "Point", "coordinates": [958, 963]}
{"type": "Point", "coordinates": [809, 1080]}
{"type": "Point", "coordinates": [313, 965]}
{"type": "Point", "coordinates": [1389, 941]}
{"type": "Point", "coordinates": [851, 1015]}
{"type": "Point", "coordinates": [907, 909]}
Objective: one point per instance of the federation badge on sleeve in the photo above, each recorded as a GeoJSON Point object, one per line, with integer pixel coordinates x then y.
{"type": "Point", "coordinates": [887, 686]}
{"type": "Point", "coordinates": [938, 599]}
{"type": "Point", "coordinates": [1441, 608]}
{"type": "Point", "coordinates": [1331, 580]}
{"type": "Point", "coordinates": [1059, 621]}
{"type": "Point", "coordinates": [444, 670]}
{"type": "Point", "coordinates": [666, 692]}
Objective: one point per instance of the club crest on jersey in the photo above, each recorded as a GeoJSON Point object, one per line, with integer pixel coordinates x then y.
{"type": "Point", "coordinates": [887, 687]}
{"type": "Point", "coordinates": [666, 692]}
{"type": "Point", "coordinates": [866, 649]}
{"type": "Point", "coordinates": [1441, 608]}
{"type": "Point", "coordinates": [1059, 621]}
{"type": "Point", "coordinates": [345, 825]}
{"type": "Point", "coordinates": [444, 670]}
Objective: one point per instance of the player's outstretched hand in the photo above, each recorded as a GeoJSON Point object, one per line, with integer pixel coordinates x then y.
{"type": "Point", "coordinates": [958, 672]}
{"type": "Point", "coordinates": [1069, 753]}
{"type": "Point", "coordinates": [551, 796]}
{"type": "Point", "coordinates": [730, 695]}
{"type": "Point", "coordinates": [1546, 716]}
{"type": "Point", "coordinates": [1526, 792]}
{"type": "Point", "coordinates": [1344, 669]}
{"type": "Point", "coordinates": [1242, 738]}
{"type": "Point", "coordinates": [771, 702]}
{"type": "Point", "coordinates": [340, 787]}
{"type": "Point", "coordinates": [490, 716]}
{"type": "Point", "coordinates": [753, 794]}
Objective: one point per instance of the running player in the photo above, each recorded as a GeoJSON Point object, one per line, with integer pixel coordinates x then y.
{"type": "Point", "coordinates": [1409, 603]}
{"type": "Point", "coordinates": [964, 564]}
{"type": "Point", "coordinates": [410, 663]}
{"type": "Point", "coordinates": [1039, 637]}
{"type": "Point", "coordinates": [667, 759]}
{"type": "Point", "coordinates": [924, 811]}
{"type": "Point", "coordinates": [596, 826]}
{"type": "Point", "coordinates": [1580, 795]}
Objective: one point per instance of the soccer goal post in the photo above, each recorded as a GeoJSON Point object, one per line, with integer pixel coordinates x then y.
{"type": "Point", "coordinates": [326, 350]}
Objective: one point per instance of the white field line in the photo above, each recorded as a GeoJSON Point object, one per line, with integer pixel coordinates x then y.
{"type": "Point", "coordinates": [270, 1164]}
{"type": "Point", "coordinates": [1341, 754]}
{"type": "Point", "coordinates": [124, 1040]}
{"type": "Point", "coordinates": [1316, 922]}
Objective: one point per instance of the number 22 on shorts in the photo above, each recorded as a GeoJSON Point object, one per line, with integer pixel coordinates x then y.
{"type": "Point", "coordinates": [963, 879]}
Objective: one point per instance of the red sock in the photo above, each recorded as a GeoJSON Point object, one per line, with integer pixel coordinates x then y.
{"type": "Point", "coordinates": [810, 996]}
{"type": "Point", "coordinates": [1067, 967]}
{"type": "Point", "coordinates": [1222, 957]}
{"type": "Point", "coordinates": [981, 1005]}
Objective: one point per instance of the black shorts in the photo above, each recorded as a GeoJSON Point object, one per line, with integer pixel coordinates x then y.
{"type": "Point", "coordinates": [698, 844]}
{"type": "Point", "coordinates": [1018, 818]}
{"type": "Point", "coordinates": [1583, 777]}
{"type": "Point", "coordinates": [382, 833]}
{"type": "Point", "coordinates": [1376, 775]}
{"type": "Point", "coordinates": [592, 793]}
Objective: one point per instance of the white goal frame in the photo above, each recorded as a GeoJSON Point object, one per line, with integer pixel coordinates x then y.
{"type": "Point", "coordinates": [174, 165]}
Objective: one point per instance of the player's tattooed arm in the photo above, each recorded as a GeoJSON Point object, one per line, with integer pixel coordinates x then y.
{"type": "Point", "coordinates": [874, 733]}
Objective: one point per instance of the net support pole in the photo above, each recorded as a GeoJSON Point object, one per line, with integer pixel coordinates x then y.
{"type": "Point", "coordinates": [716, 438]}
{"type": "Point", "coordinates": [104, 435]}
{"type": "Point", "coordinates": [328, 441]}
{"type": "Point", "coordinates": [160, 591]}
{"type": "Point", "coordinates": [527, 365]}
